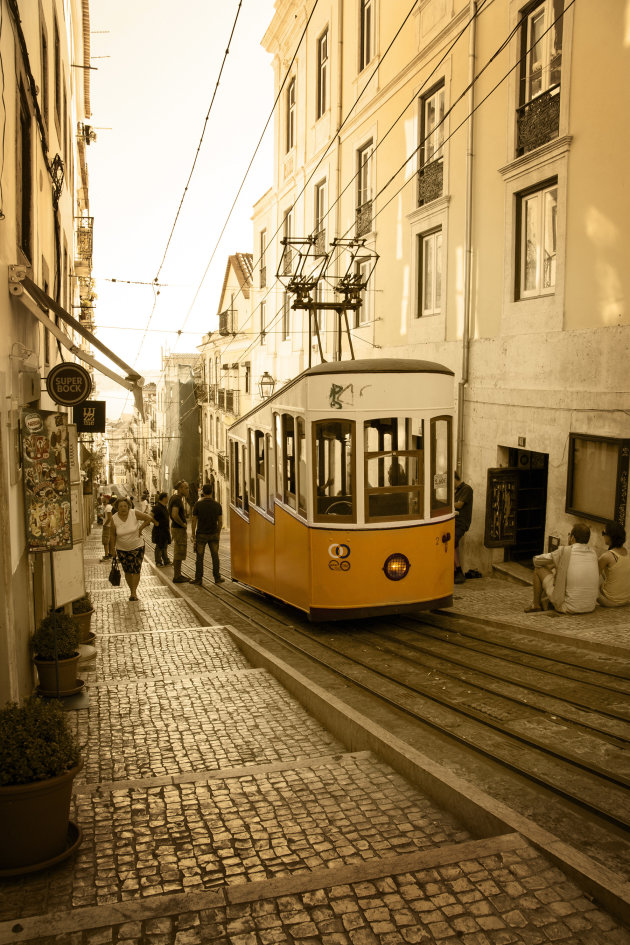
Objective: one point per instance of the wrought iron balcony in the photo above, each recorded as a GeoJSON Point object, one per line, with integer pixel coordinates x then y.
{"type": "Point", "coordinates": [201, 393]}
{"type": "Point", "coordinates": [231, 402]}
{"type": "Point", "coordinates": [320, 242]}
{"type": "Point", "coordinates": [538, 121]}
{"type": "Point", "coordinates": [263, 277]}
{"type": "Point", "coordinates": [224, 465]}
{"type": "Point", "coordinates": [226, 322]}
{"type": "Point", "coordinates": [83, 240]}
{"type": "Point", "coordinates": [364, 218]}
{"type": "Point", "coordinates": [430, 182]}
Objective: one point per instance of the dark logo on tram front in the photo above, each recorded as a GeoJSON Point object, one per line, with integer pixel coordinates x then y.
{"type": "Point", "coordinates": [339, 553]}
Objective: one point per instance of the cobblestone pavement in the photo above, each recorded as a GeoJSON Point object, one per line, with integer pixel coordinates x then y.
{"type": "Point", "coordinates": [215, 809]}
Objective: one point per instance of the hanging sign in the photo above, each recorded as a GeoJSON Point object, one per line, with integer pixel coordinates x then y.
{"type": "Point", "coordinates": [47, 511]}
{"type": "Point", "coordinates": [90, 416]}
{"type": "Point", "coordinates": [68, 384]}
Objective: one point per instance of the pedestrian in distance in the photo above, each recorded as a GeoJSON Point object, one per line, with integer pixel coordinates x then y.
{"type": "Point", "coordinates": [107, 521]}
{"type": "Point", "coordinates": [207, 522]}
{"type": "Point", "coordinates": [463, 506]}
{"type": "Point", "coordinates": [614, 568]}
{"type": "Point", "coordinates": [127, 543]}
{"type": "Point", "coordinates": [566, 580]}
{"type": "Point", "coordinates": [161, 532]}
{"type": "Point", "coordinates": [179, 525]}
{"type": "Point", "coordinates": [144, 504]}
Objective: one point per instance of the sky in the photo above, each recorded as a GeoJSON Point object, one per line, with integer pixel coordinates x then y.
{"type": "Point", "coordinates": [156, 69]}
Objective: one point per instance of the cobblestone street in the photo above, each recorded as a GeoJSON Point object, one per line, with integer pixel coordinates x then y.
{"type": "Point", "coordinates": [215, 809]}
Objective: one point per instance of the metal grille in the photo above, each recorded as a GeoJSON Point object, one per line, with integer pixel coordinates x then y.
{"type": "Point", "coordinates": [430, 182]}
{"type": "Point", "coordinates": [364, 218]}
{"type": "Point", "coordinates": [539, 121]}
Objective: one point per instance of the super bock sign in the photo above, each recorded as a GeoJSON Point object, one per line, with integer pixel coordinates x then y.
{"type": "Point", "coordinates": [68, 384]}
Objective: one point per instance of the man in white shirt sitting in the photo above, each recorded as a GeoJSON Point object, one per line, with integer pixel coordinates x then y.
{"type": "Point", "coordinates": [567, 579]}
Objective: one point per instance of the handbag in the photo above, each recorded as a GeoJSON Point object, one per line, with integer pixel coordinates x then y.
{"type": "Point", "coordinates": [114, 574]}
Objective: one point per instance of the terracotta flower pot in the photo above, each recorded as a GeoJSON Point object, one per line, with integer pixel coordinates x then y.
{"type": "Point", "coordinates": [47, 672]}
{"type": "Point", "coordinates": [83, 621]}
{"type": "Point", "coordinates": [34, 822]}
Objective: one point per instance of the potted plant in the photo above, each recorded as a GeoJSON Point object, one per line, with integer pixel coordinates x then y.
{"type": "Point", "coordinates": [39, 759]}
{"type": "Point", "coordinates": [82, 611]}
{"type": "Point", "coordinates": [55, 646]}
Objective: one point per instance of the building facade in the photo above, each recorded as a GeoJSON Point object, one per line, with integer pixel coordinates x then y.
{"type": "Point", "coordinates": [178, 421]}
{"type": "Point", "coordinates": [464, 144]}
{"type": "Point", "coordinates": [46, 231]}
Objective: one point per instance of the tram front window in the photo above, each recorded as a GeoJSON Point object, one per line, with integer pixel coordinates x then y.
{"type": "Point", "coordinates": [394, 464]}
{"type": "Point", "coordinates": [334, 469]}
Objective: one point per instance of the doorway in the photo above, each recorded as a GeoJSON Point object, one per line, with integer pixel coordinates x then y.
{"type": "Point", "coordinates": [531, 504]}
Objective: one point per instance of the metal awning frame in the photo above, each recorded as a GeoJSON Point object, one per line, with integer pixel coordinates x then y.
{"type": "Point", "coordinates": [39, 303]}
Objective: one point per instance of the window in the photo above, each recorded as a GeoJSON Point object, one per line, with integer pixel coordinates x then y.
{"type": "Point", "coordinates": [262, 253]}
{"type": "Point", "coordinates": [363, 315]}
{"type": "Point", "coordinates": [24, 188]}
{"type": "Point", "coordinates": [429, 273]}
{"type": "Point", "coordinates": [238, 476]}
{"type": "Point", "coordinates": [537, 221]}
{"type": "Point", "coordinates": [44, 92]}
{"type": "Point", "coordinates": [290, 139]}
{"type": "Point", "coordinates": [541, 61]}
{"type": "Point", "coordinates": [394, 468]}
{"type": "Point", "coordinates": [287, 230]}
{"type": "Point", "coordinates": [57, 76]}
{"type": "Point", "coordinates": [289, 487]}
{"type": "Point", "coordinates": [319, 217]}
{"type": "Point", "coordinates": [366, 33]}
{"type": "Point", "coordinates": [286, 316]}
{"type": "Point", "coordinates": [431, 171]}
{"type": "Point", "coordinates": [333, 447]}
{"type": "Point", "coordinates": [301, 464]}
{"type": "Point", "coordinates": [364, 189]}
{"type": "Point", "coordinates": [259, 489]}
{"type": "Point", "coordinates": [597, 477]}
{"type": "Point", "coordinates": [441, 466]}
{"type": "Point", "coordinates": [538, 115]}
{"type": "Point", "coordinates": [247, 378]}
{"type": "Point", "coordinates": [263, 321]}
{"type": "Point", "coordinates": [322, 73]}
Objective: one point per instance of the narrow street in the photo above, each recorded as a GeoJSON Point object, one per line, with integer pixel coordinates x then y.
{"type": "Point", "coordinates": [215, 809]}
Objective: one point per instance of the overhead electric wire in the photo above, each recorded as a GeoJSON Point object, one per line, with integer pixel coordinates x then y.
{"type": "Point", "coordinates": [356, 101]}
{"type": "Point", "coordinates": [442, 120]}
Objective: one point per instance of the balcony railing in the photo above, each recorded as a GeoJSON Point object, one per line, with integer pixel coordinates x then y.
{"type": "Point", "coordinates": [201, 393]}
{"type": "Point", "coordinates": [83, 240]}
{"type": "Point", "coordinates": [263, 277]}
{"type": "Point", "coordinates": [538, 121]}
{"type": "Point", "coordinates": [231, 402]}
{"type": "Point", "coordinates": [221, 398]}
{"type": "Point", "coordinates": [320, 242]}
{"type": "Point", "coordinates": [224, 465]}
{"type": "Point", "coordinates": [364, 218]}
{"type": "Point", "coordinates": [430, 182]}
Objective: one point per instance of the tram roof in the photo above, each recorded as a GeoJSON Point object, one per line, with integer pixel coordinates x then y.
{"type": "Point", "coordinates": [363, 366]}
{"type": "Point", "coordinates": [379, 366]}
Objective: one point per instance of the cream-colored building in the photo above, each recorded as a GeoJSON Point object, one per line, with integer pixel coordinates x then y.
{"type": "Point", "coordinates": [470, 145]}
{"type": "Point", "coordinates": [224, 373]}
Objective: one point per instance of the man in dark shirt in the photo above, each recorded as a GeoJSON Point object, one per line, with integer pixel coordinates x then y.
{"type": "Point", "coordinates": [177, 515]}
{"type": "Point", "coordinates": [207, 522]}
{"type": "Point", "coordinates": [463, 505]}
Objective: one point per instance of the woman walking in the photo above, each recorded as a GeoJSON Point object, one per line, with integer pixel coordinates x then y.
{"type": "Point", "coordinates": [127, 542]}
{"type": "Point", "coordinates": [161, 534]}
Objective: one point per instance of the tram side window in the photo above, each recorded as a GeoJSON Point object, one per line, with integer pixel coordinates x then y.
{"type": "Point", "coordinates": [301, 461]}
{"type": "Point", "coordinates": [259, 488]}
{"type": "Point", "coordinates": [394, 468]}
{"type": "Point", "coordinates": [240, 497]}
{"type": "Point", "coordinates": [277, 423]}
{"type": "Point", "coordinates": [252, 465]}
{"type": "Point", "coordinates": [334, 470]}
{"type": "Point", "coordinates": [269, 473]}
{"type": "Point", "coordinates": [441, 466]}
{"type": "Point", "coordinates": [288, 458]}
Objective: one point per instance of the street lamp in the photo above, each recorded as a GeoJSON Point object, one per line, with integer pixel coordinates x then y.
{"type": "Point", "coordinates": [266, 385]}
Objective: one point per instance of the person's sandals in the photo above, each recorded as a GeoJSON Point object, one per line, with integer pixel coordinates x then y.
{"type": "Point", "coordinates": [133, 597]}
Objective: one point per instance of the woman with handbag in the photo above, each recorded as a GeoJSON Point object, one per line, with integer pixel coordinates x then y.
{"type": "Point", "coordinates": [161, 533]}
{"type": "Point", "coordinates": [127, 543]}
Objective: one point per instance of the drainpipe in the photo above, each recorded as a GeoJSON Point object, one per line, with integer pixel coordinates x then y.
{"type": "Point", "coordinates": [338, 150]}
{"type": "Point", "coordinates": [468, 237]}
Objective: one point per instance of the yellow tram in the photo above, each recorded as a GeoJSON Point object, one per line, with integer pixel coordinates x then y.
{"type": "Point", "coordinates": [341, 483]}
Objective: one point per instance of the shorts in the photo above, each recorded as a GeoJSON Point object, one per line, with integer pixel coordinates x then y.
{"type": "Point", "coordinates": [180, 543]}
{"type": "Point", "coordinates": [106, 534]}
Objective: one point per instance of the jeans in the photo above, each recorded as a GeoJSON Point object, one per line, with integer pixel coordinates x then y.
{"type": "Point", "coordinates": [161, 553]}
{"type": "Point", "coordinates": [212, 541]}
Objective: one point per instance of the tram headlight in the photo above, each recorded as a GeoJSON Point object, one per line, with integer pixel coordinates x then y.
{"type": "Point", "coordinates": [396, 567]}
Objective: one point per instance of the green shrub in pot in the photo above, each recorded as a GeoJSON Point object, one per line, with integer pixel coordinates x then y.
{"type": "Point", "coordinates": [59, 627]}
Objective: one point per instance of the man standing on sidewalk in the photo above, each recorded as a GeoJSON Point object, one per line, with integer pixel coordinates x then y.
{"type": "Point", "coordinates": [207, 522]}
{"type": "Point", "coordinates": [177, 515]}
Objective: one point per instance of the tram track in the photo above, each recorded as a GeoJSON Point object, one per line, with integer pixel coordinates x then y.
{"type": "Point", "coordinates": [560, 725]}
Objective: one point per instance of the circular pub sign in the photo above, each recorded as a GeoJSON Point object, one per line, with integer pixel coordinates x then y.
{"type": "Point", "coordinates": [68, 384]}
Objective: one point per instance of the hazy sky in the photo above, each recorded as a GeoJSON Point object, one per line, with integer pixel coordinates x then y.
{"type": "Point", "coordinates": [154, 92]}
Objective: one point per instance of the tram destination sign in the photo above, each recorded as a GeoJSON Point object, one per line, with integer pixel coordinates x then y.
{"type": "Point", "coordinates": [68, 384]}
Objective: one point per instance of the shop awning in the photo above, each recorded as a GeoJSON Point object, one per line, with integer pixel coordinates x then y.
{"type": "Point", "coordinates": [39, 304]}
